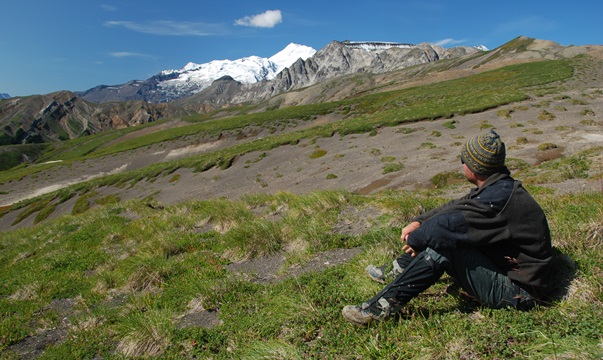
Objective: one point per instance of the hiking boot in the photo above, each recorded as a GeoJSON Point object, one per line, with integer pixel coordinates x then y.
{"type": "Point", "coordinates": [379, 274]}
{"type": "Point", "coordinates": [360, 315]}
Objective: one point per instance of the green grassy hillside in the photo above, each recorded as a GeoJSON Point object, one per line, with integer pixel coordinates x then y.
{"type": "Point", "coordinates": [137, 278]}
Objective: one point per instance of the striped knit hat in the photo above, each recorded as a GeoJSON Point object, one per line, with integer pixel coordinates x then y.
{"type": "Point", "coordinates": [484, 154]}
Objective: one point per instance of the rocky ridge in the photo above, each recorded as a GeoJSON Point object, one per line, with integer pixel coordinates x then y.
{"type": "Point", "coordinates": [334, 60]}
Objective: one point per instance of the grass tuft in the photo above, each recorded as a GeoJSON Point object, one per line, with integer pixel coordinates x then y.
{"type": "Point", "coordinates": [146, 334]}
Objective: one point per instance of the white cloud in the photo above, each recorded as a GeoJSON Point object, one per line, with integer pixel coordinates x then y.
{"type": "Point", "coordinates": [121, 54]}
{"type": "Point", "coordinates": [106, 7]}
{"type": "Point", "coordinates": [172, 28]}
{"type": "Point", "coordinates": [267, 19]}
{"type": "Point", "coordinates": [452, 42]}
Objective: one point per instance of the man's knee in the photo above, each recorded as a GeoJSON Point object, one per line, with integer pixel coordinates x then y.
{"type": "Point", "coordinates": [438, 258]}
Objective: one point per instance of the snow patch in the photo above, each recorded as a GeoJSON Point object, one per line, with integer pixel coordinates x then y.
{"type": "Point", "coordinates": [376, 45]}
{"type": "Point", "coordinates": [189, 150]}
{"type": "Point", "coordinates": [55, 187]}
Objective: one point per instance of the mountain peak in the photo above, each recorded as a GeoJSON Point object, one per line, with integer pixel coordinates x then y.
{"type": "Point", "coordinates": [290, 54]}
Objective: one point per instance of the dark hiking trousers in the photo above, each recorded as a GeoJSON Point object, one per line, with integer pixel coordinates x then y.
{"type": "Point", "coordinates": [473, 271]}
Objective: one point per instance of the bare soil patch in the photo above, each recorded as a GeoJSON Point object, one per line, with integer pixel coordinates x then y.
{"type": "Point", "coordinates": [271, 269]}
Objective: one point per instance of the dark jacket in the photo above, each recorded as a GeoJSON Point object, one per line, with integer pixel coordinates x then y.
{"type": "Point", "coordinates": [503, 220]}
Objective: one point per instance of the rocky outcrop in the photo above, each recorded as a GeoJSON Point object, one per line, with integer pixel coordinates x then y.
{"type": "Point", "coordinates": [218, 94]}
{"type": "Point", "coordinates": [62, 116]}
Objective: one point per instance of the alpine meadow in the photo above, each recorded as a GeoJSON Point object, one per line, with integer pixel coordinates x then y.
{"type": "Point", "coordinates": [240, 231]}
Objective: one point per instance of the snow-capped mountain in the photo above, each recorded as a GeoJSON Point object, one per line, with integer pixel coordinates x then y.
{"type": "Point", "coordinates": [293, 67]}
{"type": "Point", "coordinates": [196, 77]}
{"type": "Point", "coordinates": [192, 78]}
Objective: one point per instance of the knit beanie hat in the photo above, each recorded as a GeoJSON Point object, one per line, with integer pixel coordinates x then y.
{"type": "Point", "coordinates": [484, 154]}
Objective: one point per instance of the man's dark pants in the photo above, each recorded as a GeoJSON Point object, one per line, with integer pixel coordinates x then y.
{"type": "Point", "coordinates": [474, 272]}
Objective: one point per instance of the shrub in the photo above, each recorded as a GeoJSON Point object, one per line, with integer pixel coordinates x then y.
{"type": "Point", "coordinates": [504, 113]}
{"type": "Point", "coordinates": [442, 179]}
{"type": "Point", "coordinates": [318, 154]}
{"type": "Point", "coordinates": [578, 102]}
{"type": "Point", "coordinates": [392, 167]}
{"type": "Point", "coordinates": [589, 122]}
{"type": "Point", "coordinates": [485, 125]}
{"type": "Point", "coordinates": [449, 124]}
{"type": "Point", "coordinates": [546, 146]}
{"type": "Point", "coordinates": [375, 152]}
{"type": "Point", "coordinates": [545, 115]}
{"type": "Point", "coordinates": [109, 199]}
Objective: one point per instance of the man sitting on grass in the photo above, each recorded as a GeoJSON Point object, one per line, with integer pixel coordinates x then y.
{"type": "Point", "coordinates": [494, 242]}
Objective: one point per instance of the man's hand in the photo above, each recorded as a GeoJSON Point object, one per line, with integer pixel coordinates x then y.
{"type": "Point", "coordinates": [408, 229]}
{"type": "Point", "coordinates": [404, 237]}
{"type": "Point", "coordinates": [407, 249]}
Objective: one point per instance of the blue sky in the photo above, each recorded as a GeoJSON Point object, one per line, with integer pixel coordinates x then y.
{"type": "Point", "coordinates": [46, 46]}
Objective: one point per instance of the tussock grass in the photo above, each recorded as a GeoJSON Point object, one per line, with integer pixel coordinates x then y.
{"type": "Point", "coordinates": [146, 334]}
{"type": "Point", "coordinates": [253, 239]}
